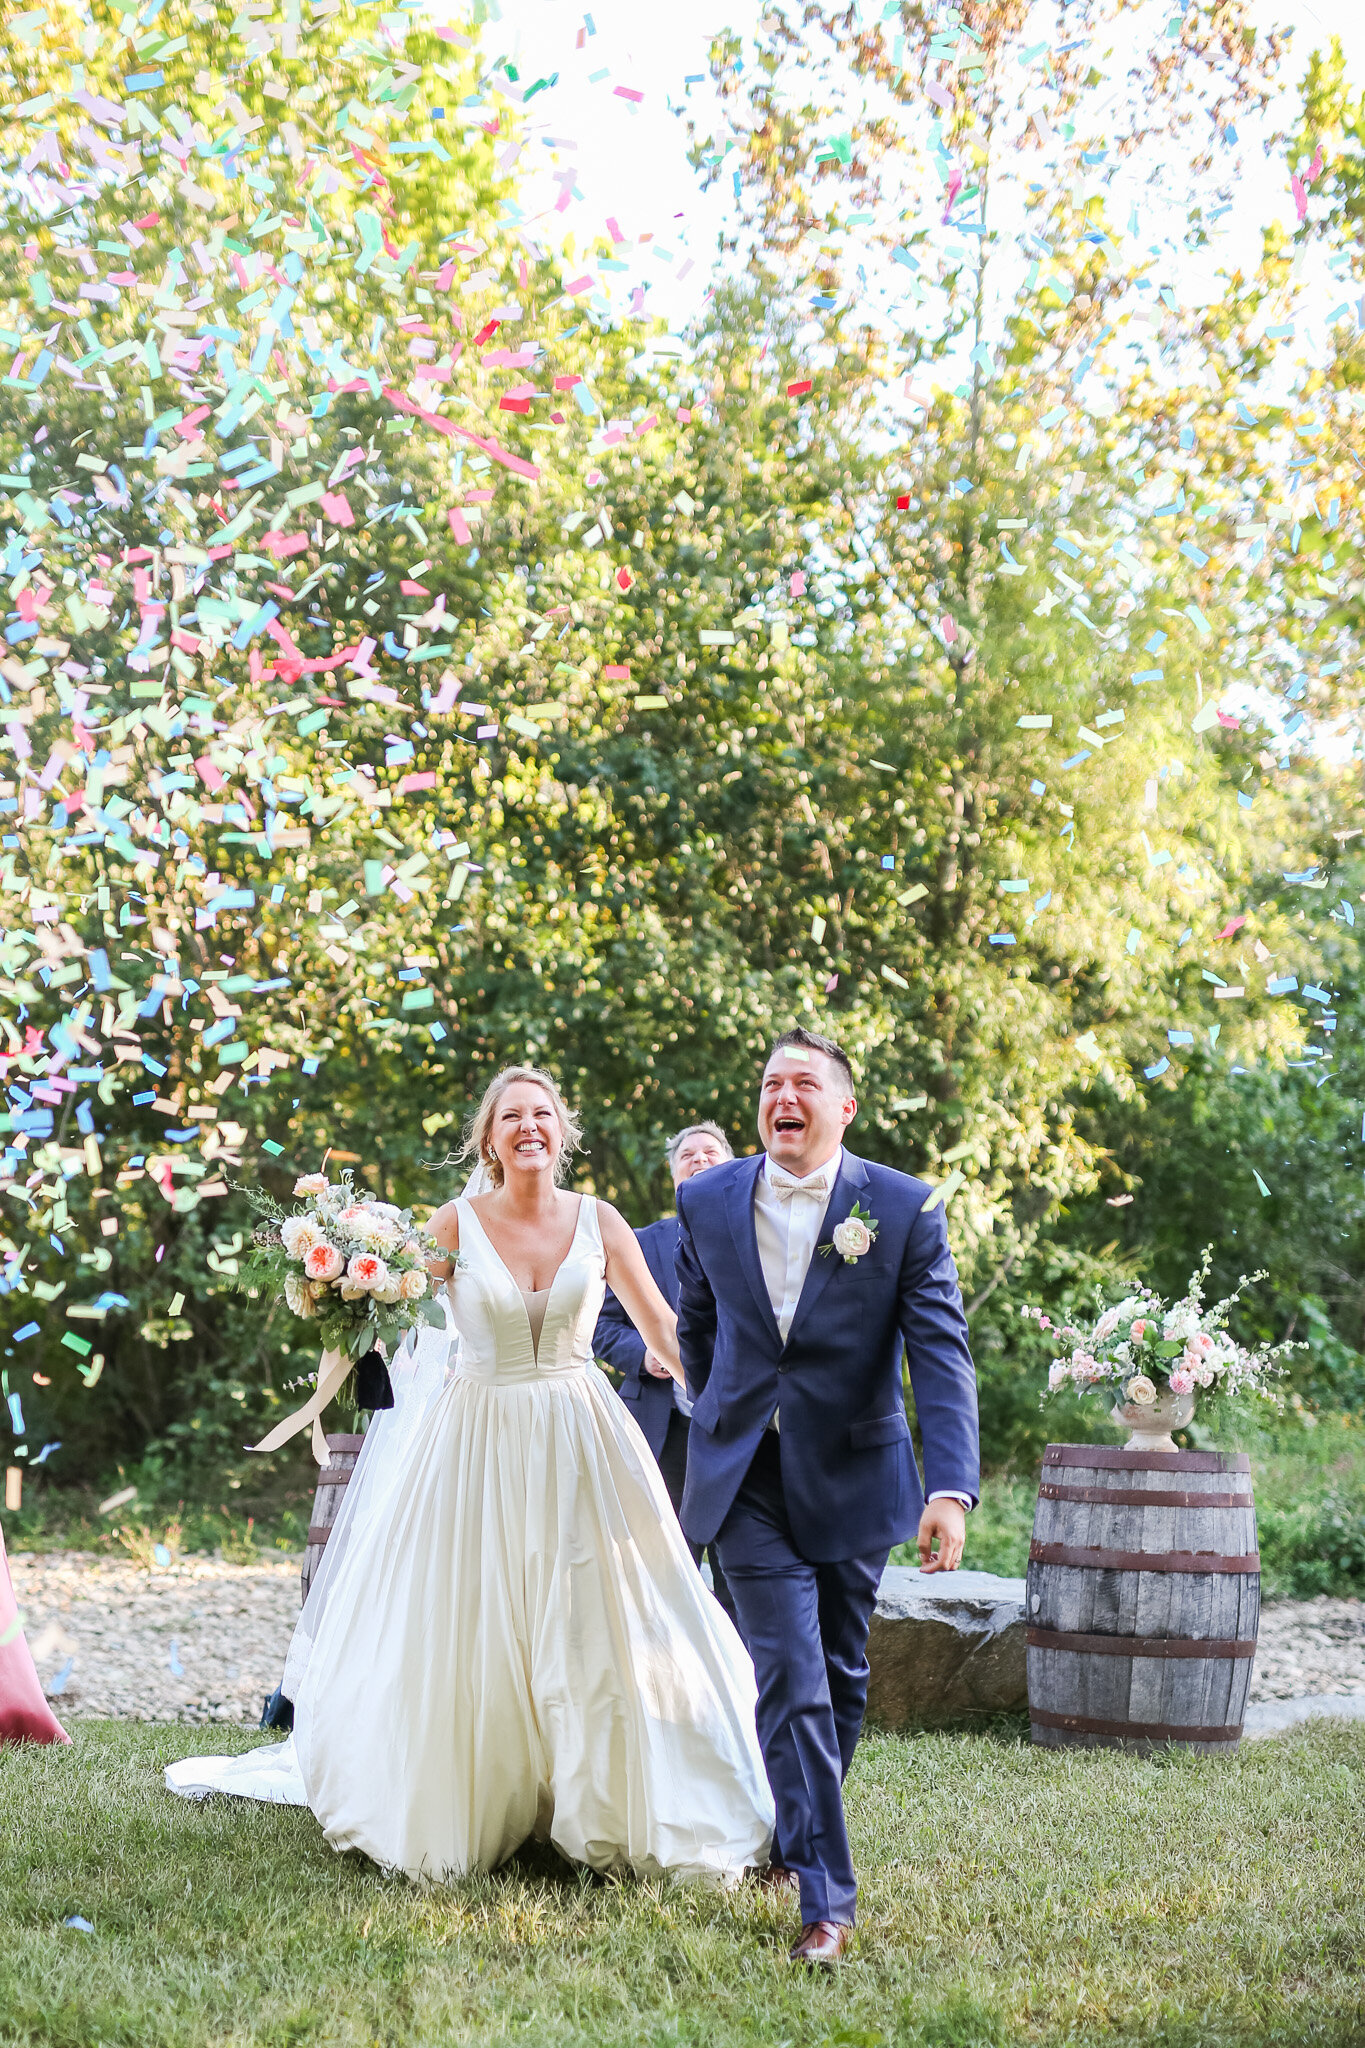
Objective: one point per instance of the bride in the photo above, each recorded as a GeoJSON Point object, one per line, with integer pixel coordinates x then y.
{"type": "Point", "coordinates": [515, 1641]}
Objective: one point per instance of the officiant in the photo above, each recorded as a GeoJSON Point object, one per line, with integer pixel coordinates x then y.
{"type": "Point", "coordinates": [657, 1402]}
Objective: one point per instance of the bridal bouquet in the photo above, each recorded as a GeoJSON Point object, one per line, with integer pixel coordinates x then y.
{"type": "Point", "coordinates": [348, 1262]}
{"type": "Point", "coordinates": [1147, 1349]}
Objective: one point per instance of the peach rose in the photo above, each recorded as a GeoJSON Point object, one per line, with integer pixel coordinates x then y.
{"type": "Point", "coordinates": [323, 1261]}
{"type": "Point", "coordinates": [368, 1272]}
{"type": "Point", "coordinates": [311, 1184]}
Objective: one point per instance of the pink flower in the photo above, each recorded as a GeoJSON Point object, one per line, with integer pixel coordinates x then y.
{"type": "Point", "coordinates": [322, 1261]}
{"type": "Point", "coordinates": [367, 1272]}
{"type": "Point", "coordinates": [1140, 1329]}
{"type": "Point", "coordinates": [311, 1184]}
{"type": "Point", "coordinates": [1181, 1381]}
{"type": "Point", "coordinates": [1200, 1345]}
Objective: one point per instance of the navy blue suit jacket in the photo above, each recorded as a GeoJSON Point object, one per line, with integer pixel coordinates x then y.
{"type": "Point", "coordinates": [618, 1341]}
{"type": "Point", "coordinates": [849, 1474]}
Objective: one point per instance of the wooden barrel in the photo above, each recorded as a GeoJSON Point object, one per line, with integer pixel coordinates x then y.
{"type": "Point", "coordinates": [333, 1480]}
{"type": "Point", "coordinates": [1144, 1593]}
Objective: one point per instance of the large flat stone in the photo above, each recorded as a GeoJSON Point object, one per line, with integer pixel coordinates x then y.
{"type": "Point", "coordinates": [945, 1646]}
{"type": "Point", "coordinates": [1273, 1717]}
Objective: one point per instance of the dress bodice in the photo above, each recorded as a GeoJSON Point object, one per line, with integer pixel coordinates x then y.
{"type": "Point", "coordinates": [490, 1311]}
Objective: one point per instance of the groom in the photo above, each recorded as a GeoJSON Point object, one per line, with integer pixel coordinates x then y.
{"type": "Point", "coordinates": [800, 1273]}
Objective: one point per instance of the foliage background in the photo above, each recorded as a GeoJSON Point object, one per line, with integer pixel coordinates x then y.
{"type": "Point", "coordinates": [643, 851]}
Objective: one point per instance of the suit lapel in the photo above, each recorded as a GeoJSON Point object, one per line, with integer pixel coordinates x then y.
{"type": "Point", "coordinates": [852, 1179]}
{"type": "Point", "coordinates": [739, 1204]}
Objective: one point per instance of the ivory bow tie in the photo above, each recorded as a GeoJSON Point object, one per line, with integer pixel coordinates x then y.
{"type": "Point", "coordinates": [784, 1187]}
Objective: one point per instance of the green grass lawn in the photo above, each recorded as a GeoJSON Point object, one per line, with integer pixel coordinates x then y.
{"type": "Point", "coordinates": [1009, 1896]}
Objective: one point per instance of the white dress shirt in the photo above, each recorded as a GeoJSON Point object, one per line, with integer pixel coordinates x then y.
{"type": "Point", "coordinates": [788, 1212]}
{"type": "Point", "coordinates": [787, 1227]}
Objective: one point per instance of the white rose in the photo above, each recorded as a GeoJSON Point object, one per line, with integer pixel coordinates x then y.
{"type": "Point", "coordinates": [852, 1238]}
{"type": "Point", "coordinates": [413, 1285]}
{"type": "Point", "coordinates": [1141, 1391]}
{"type": "Point", "coordinates": [298, 1235]}
{"type": "Point", "coordinates": [358, 1221]}
{"type": "Point", "coordinates": [298, 1295]}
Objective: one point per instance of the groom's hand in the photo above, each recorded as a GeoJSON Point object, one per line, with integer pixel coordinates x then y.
{"type": "Point", "coordinates": [656, 1368]}
{"type": "Point", "coordinates": [946, 1520]}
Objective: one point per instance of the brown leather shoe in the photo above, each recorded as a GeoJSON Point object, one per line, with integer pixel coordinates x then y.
{"type": "Point", "coordinates": [777, 1878]}
{"type": "Point", "coordinates": [823, 1943]}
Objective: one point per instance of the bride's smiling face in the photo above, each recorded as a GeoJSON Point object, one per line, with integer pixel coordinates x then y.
{"type": "Point", "coordinates": [525, 1135]}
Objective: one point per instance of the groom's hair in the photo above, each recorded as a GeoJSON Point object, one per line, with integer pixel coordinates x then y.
{"type": "Point", "coordinates": [815, 1041]}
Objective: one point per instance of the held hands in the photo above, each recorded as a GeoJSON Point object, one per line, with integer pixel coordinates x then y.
{"type": "Point", "coordinates": [656, 1368]}
{"type": "Point", "coordinates": [946, 1520]}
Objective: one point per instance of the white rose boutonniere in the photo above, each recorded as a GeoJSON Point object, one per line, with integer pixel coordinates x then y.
{"type": "Point", "coordinates": [853, 1237]}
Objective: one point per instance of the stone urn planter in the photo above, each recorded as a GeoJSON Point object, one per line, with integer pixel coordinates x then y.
{"type": "Point", "coordinates": [1150, 1426]}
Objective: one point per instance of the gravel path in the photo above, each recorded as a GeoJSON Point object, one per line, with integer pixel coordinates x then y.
{"type": "Point", "coordinates": [197, 1641]}
{"type": "Point", "coordinates": [1310, 1646]}
{"type": "Point", "coordinates": [205, 1641]}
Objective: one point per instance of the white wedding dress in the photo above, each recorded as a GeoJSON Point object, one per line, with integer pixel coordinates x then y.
{"type": "Point", "coordinates": [515, 1641]}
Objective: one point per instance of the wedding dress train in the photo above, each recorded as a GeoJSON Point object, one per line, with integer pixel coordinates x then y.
{"type": "Point", "coordinates": [516, 1642]}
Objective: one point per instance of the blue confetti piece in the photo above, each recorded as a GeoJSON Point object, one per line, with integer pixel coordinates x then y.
{"type": "Point", "coordinates": [81, 1926]}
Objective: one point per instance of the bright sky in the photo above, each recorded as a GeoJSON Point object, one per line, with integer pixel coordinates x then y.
{"type": "Point", "coordinates": [632, 156]}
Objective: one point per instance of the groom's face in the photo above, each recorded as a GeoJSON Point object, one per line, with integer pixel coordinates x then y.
{"type": "Point", "coordinates": [805, 1105]}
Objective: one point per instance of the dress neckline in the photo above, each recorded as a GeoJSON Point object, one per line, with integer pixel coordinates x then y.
{"type": "Point", "coordinates": [526, 1295]}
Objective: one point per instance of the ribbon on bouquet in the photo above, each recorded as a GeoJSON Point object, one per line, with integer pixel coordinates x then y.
{"type": "Point", "coordinates": [333, 1367]}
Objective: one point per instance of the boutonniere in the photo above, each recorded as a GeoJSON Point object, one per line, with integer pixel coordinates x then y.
{"type": "Point", "coordinates": [853, 1236]}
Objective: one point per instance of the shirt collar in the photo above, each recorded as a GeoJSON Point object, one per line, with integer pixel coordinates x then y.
{"type": "Point", "coordinates": [830, 1168]}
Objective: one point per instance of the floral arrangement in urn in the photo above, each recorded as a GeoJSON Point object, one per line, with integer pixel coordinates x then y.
{"type": "Point", "coordinates": [1159, 1357]}
{"type": "Point", "coordinates": [355, 1266]}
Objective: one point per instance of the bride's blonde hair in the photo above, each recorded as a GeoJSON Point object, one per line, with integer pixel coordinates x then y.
{"type": "Point", "coordinates": [477, 1149]}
